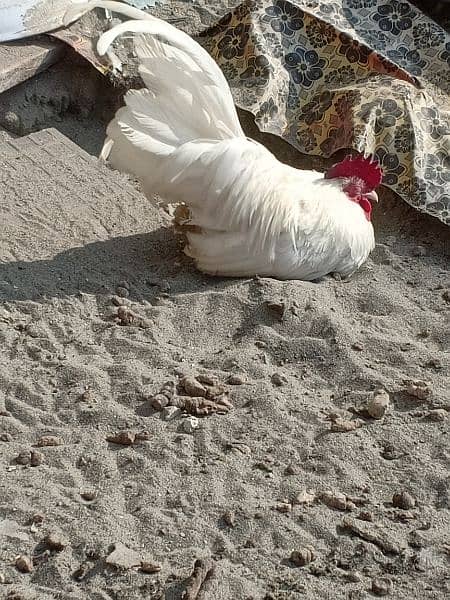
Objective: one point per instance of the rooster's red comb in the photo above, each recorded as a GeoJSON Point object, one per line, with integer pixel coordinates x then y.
{"type": "Point", "coordinates": [367, 169]}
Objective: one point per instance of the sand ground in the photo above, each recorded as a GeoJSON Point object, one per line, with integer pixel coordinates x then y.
{"type": "Point", "coordinates": [299, 360]}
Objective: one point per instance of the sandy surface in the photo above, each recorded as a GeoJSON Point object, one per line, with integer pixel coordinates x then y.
{"type": "Point", "coordinates": [308, 356]}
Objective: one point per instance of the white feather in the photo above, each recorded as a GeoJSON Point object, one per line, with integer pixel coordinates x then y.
{"type": "Point", "coordinates": [80, 7]}
{"type": "Point", "coordinates": [182, 138]}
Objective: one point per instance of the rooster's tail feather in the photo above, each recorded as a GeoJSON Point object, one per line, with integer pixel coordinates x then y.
{"type": "Point", "coordinates": [187, 96]}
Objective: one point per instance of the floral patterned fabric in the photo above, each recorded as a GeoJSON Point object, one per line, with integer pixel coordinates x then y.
{"type": "Point", "coordinates": [372, 75]}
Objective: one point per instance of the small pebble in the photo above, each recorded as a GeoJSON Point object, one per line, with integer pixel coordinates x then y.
{"type": "Point", "coordinates": [303, 557]}
{"type": "Point", "coordinates": [54, 541]}
{"type": "Point", "coordinates": [6, 437]}
{"type": "Point", "coordinates": [419, 389]}
{"type": "Point", "coordinates": [123, 438]}
{"type": "Point", "coordinates": [122, 292]}
{"type": "Point", "coordinates": [125, 316]}
{"type": "Point", "coordinates": [402, 515]}
{"type": "Point", "coordinates": [192, 387]}
{"type": "Point", "coordinates": [319, 570]}
{"type": "Point", "coordinates": [159, 401]}
{"type": "Point", "coordinates": [49, 440]}
{"type": "Point", "coordinates": [390, 452]}
{"type": "Point", "coordinates": [163, 397]}
{"type": "Point", "coordinates": [304, 498]}
{"type": "Point", "coordinates": [37, 518]}
{"type": "Point", "coordinates": [438, 414]}
{"type": "Point", "coordinates": [403, 500]}
{"type": "Point", "coordinates": [206, 379]}
{"type": "Point", "coordinates": [278, 379]}
{"type": "Point", "coordinates": [284, 507]}
{"type": "Point", "coordinates": [118, 301]}
{"type": "Point", "coordinates": [354, 576]}
{"type": "Point", "coordinates": [23, 458]}
{"type": "Point", "coordinates": [190, 424]}
{"type": "Point", "coordinates": [148, 566]}
{"type": "Point", "coordinates": [88, 496]}
{"type": "Point", "coordinates": [357, 347]}
{"type": "Point", "coordinates": [340, 425]}
{"type": "Point", "coordinates": [81, 571]}
{"type": "Point", "coordinates": [381, 586]}
{"type": "Point", "coordinates": [335, 500]}
{"type": "Point", "coordinates": [378, 404]}
{"type": "Point", "coordinates": [434, 363]}
{"type": "Point", "coordinates": [123, 557]}
{"type": "Point", "coordinates": [263, 466]}
{"type": "Point", "coordinates": [36, 458]}
{"type": "Point", "coordinates": [291, 470]}
{"type": "Point", "coordinates": [365, 515]}
{"type": "Point", "coordinates": [358, 500]}
{"type": "Point", "coordinates": [277, 308]}
{"type": "Point", "coordinates": [235, 380]}
{"type": "Point", "coordinates": [144, 323]}
{"type": "Point", "coordinates": [416, 540]}
{"type": "Point", "coordinates": [143, 436]}
{"type": "Point", "coordinates": [169, 413]}
{"type": "Point", "coordinates": [24, 564]}
{"type": "Point", "coordinates": [229, 518]}
{"type": "Point", "coordinates": [94, 552]}
{"type": "Point", "coordinates": [87, 396]}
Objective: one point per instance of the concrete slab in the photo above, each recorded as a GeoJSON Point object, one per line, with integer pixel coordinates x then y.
{"type": "Point", "coordinates": [21, 60]}
{"type": "Point", "coordinates": [54, 196]}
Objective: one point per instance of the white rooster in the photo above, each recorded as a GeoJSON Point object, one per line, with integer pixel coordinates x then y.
{"type": "Point", "coordinates": [252, 215]}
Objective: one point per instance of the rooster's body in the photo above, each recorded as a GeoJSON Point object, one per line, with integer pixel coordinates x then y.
{"type": "Point", "coordinates": [252, 214]}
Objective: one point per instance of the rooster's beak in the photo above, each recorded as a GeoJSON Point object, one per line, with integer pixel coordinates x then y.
{"type": "Point", "coordinates": [372, 196]}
